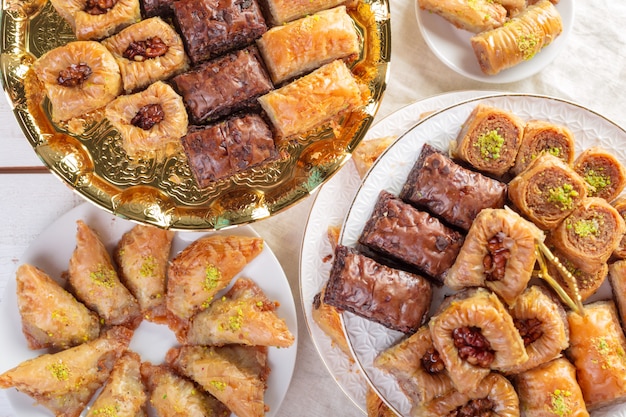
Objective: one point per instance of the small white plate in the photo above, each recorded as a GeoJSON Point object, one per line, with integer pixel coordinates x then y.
{"type": "Point", "coordinates": [51, 252]}
{"type": "Point", "coordinates": [452, 46]}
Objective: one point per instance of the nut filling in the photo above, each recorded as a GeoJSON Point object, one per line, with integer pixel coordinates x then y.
{"type": "Point", "coordinates": [148, 116]}
{"type": "Point", "coordinates": [472, 346]}
{"type": "Point", "coordinates": [98, 7]}
{"type": "Point", "coordinates": [480, 407]}
{"type": "Point", "coordinates": [432, 362]}
{"type": "Point", "coordinates": [495, 260]}
{"type": "Point", "coordinates": [150, 48]}
{"type": "Point", "coordinates": [74, 75]}
{"type": "Point", "coordinates": [529, 329]}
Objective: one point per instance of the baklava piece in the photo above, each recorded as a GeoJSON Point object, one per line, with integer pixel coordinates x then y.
{"type": "Point", "coordinates": [489, 140]}
{"type": "Point", "coordinates": [244, 315]}
{"type": "Point", "coordinates": [146, 52]}
{"type": "Point", "coordinates": [547, 191]}
{"type": "Point", "coordinates": [283, 11]}
{"type": "Point", "coordinates": [152, 8]}
{"type": "Point", "coordinates": [78, 77]}
{"type": "Point", "coordinates": [236, 375]}
{"type": "Point", "coordinates": [597, 346]}
{"type": "Point", "coordinates": [308, 43]}
{"type": "Point", "coordinates": [375, 406]}
{"type": "Point", "coordinates": [519, 40]}
{"type": "Point", "coordinates": [313, 99]}
{"type": "Point", "coordinates": [95, 282]}
{"type": "Point", "coordinates": [142, 256]}
{"type": "Point", "coordinates": [211, 28]}
{"type": "Point", "coordinates": [64, 382]}
{"type": "Point", "coordinates": [328, 318]}
{"type": "Point", "coordinates": [590, 234]}
{"type": "Point", "coordinates": [51, 316]}
{"type": "Point", "coordinates": [94, 20]}
{"type": "Point", "coordinates": [498, 253]}
{"type": "Point", "coordinates": [542, 322]}
{"type": "Point", "coordinates": [368, 151]}
{"type": "Point", "coordinates": [540, 137]}
{"type": "Point", "coordinates": [417, 367]}
{"type": "Point", "coordinates": [550, 390]}
{"type": "Point", "coordinates": [396, 299]}
{"type": "Point", "coordinates": [171, 395]}
{"type": "Point", "coordinates": [416, 238]}
{"type": "Point", "coordinates": [223, 85]}
{"type": "Point", "coordinates": [150, 122]}
{"type": "Point", "coordinates": [588, 282]}
{"type": "Point", "coordinates": [474, 334]}
{"type": "Point", "coordinates": [228, 147]}
{"type": "Point", "coordinates": [620, 206]}
{"type": "Point", "coordinates": [123, 393]}
{"type": "Point", "coordinates": [605, 175]}
{"type": "Point", "coordinates": [476, 16]}
{"type": "Point", "coordinates": [450, 191]}
{"type": "Point", "coordinates": [617, 278]}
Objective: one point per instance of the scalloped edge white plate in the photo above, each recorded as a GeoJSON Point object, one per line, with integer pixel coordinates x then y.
{"type": "Point", "coordinates": [51, 252]}
{"type": "Point", "coordinates": [452, 46]}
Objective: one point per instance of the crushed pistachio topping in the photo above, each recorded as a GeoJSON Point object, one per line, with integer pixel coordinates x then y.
{"type": "Point", "coordinates": [490, 144]}
{"type": "Point", "coordinates": [59, 315]}
{"type": "Point", "coordinates": [527, 45]}
{"type": "Point", "coordinates": [60, 371]}
{"type": "Point", "coordinates": [554, 151]}
{"type": "Point", "coordinates": [148, 267]}
{"type": "Point", "coordinates": [103, 276]}
{"type": "Point", "coordinates": [560, 403]}
{"type": "Point", "coordinates": [585, 227]}
{"type": "Point", "coordinates": [563, 195]}
{"type": "Point", "coordinates": [611, 352]}
{"type": "Point", "coordinates": [107, 411]}
{"type": "Point", "coordinates": [234, 322]}
{"type": "Point", "coordinates": [597, 180]}
{"type": "Point", "coordinates": [212, 277]}
{"type": "Point", "coordinates": [218, 385]}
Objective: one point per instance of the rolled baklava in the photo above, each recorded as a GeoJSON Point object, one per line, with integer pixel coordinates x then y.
{"type": "Point", "coordinates": [519, 40]}
{"type": "Point", "coordinates": [541, 136]}
{"type": "Point", "coordinates": [588, 282]}
{"type": "Point", "coordinates": [498, 253]}
{"type": "Point", "coordinates": [476, 16]}
{"type": "Point", "coordinates": [489, 140]}
{"type": "Point", "coordinates": [450, 191]}
{"type": "Point", "coordinates": [547, 191]}
{"type": "Point", "coordinates": [605, 175]}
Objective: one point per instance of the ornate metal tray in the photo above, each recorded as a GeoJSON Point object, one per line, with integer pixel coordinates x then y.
{"type": "Point", "coordinates": [90, 159]}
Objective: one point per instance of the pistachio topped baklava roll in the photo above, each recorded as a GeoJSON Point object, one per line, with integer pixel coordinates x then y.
{"type": "Point", "coordinates": [587, 281]}
{"type": "Point", "coordinates": [605, 175]}
{"type": "Point", "coordinates": [547, 191]}
{"type": "Point", "coordinates": [489, 140]}
{"type": "Point", "coordinates": [519, 40]}
{"type": "Point", "coordinates": [540, 137]}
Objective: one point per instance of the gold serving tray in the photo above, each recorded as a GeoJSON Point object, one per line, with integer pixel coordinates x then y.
{"type": "Point", "coordinates": [164, 193]}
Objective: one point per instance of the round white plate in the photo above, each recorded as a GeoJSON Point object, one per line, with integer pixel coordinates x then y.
{"type": "Point", "coordinates": [452, 46]}
{"type": "Point", "coordinates": [367, 339]}
{"type": "Point", "coordinates": [51, 252]}
{"type": "Point", "coordinates": [329, 209]}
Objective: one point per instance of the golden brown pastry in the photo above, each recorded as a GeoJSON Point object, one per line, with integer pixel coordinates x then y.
{"type": "Point", "coordinates": [174, 396]}
{"type": "Point", "coordinates": [489, 140]}
{"type": "Point", "coordinates": [147, 51]}
{"type": "Point", "coordinates": [236, 375]}
{"type": "Point", "coordinates": [79, 77]}
{"type": "Point", "coordinates": [597, 346]}
{"type": "Point", "coordinates": [95, 282]}
{"type": "Point", "coordinates": [617, 278]}
{"type": "Point", "coordinates": [313, 99]}
{"type": "Point", "coordinates": [590, 234]}
{"type": "Point", "coordinates": [474, 334]}
{"type": "Point", "coordinates": [64, 382]}
{"type": "Point", "coordinates": [142, 256]}
{"type": "Point", "coordinates": [547, 191]}
{"type": "Point", "coordinates": [620, 206]}
{"type": "Point", "coordinates": [244, 315]}
{"type": "Point", "coordinates": [550, 390]}
{"type": "Point", "coordinates": [95, 20]}
{"type": "Point", "coordinates": [476, 16]}
{"type": "Point", "coordinates": [282, 11]}
{"type": "Point", "coordinates": [605, 175]}
{"type": "Point", "coordinates": [498, 253]}
{"type": "Point", "coordinates": [542, 322]}
{"type": "Point", "coordinates": [305, 44]}
{"type": "Point", "coordinates": [541, 136]}
{"type": "Point", "coordinates": [51, 316]}
{"type": "Point", "coordinates": [495, 396]}
{"type": "Point", "coordinates": [368, 151]}
{"type": "Point", "coordinates": [519, 40]}
{"type": "Point", "coordinates": [417, 367]}
{"type": "Point", "coordinates": [204, 268]}
{"type": "Point", "coordinates": [587, 282]}
{"type": "Point", "coordinates": [328, 318]}
{"type": "Point", "coordinates": [124, 394]}
{"type": "Point", "coordinates": [375, 405]}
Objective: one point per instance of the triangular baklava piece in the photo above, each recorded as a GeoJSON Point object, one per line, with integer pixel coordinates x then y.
{"type": "Point", "coordinates": [64, 382]}
{"type": "Point", "coordinates": [244, 315]}
{"type": "Point", "coordinates": [235, 374]}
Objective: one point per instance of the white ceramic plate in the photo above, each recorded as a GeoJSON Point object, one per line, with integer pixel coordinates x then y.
{"type": "Point", "coordinates": [452, 46]}
{"type": "Point", "coordinates": [51, 252]}
{"type": "Point", "coordinates": [330, 207]}
{"type": "Point", "coordinates": [367, 338]}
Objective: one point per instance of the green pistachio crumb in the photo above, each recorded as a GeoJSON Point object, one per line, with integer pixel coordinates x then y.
{"type": "Point", "coordinates": [596, 180]}
{"type": "Point", "coordinates": [212, 277]}
{"type": "Point", "coordinates": [103, 276]}
{"type": "Point", "coordinates": [60, 371]}
{"type": "Point", "coordinates": [527, 45]}
{"type": "Point", "coordinates": [585, 227]}
{"type": "Point", "coordinates": [563, 195]}
{"type": "Point", "coordinates": [490, 144]}
{"type": "Point", "coordinates": [559, 402]}
{"type": "Point", "coordinates": [148, 267]}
